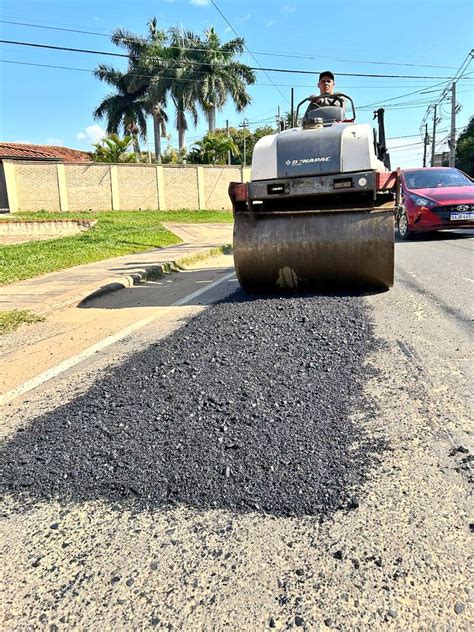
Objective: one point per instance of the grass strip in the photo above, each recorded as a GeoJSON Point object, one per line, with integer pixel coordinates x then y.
{"type": "Point", "coordinates": [212, 252]}
{"type": "Point", "coordinates": [183, 216]}
{"type": "Point", "coordinates": [11, 320]}
{"type": "Point", "coordinates": [115, 233]}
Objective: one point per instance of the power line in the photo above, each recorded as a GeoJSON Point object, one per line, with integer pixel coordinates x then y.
{"type": "Point", "coordinates": [260, 68]}
{"type": "Point", "coordinates": [404, 146]}
{"type": "Point", "coordinates": [408, 94]}
{"type": "Point", "coordinates": [66, 48]}
{"type": "Point", "coordinates": [459, 74]}
{"type": "Point", "coordinates": [27, 63]}
{"type": "Point", "coordinates": [400, 106]}
{"type": "Point", "coordinates": [259, 84]}
{"type": "Point", "coordinates": [268, 53]}
{"type": "Point", "coordinates": [129, 74]}
{"type": "Point", "coordinates": [250, 53]}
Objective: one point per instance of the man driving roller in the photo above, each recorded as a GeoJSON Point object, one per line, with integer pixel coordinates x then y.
{"type": "Point", "coordinates": [326, 85]}
{"type": "Point", "coordinates": [325, 98]}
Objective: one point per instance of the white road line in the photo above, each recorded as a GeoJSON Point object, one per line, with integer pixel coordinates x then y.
{"type": "Point", "coordinates": [29, 385]}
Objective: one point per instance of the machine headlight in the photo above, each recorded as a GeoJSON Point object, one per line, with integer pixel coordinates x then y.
{"type": "Point", "coordinates": [422, 201]}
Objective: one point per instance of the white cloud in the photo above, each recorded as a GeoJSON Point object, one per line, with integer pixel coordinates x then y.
{"type": "Point", "coordinates": [287, 9]}
{"type": "Point", "coordinates": [270, 23]}
{"type": "Point", "coordinates": [245, 17]}
{"type": "Point", "coordinates": [93, 134]}
{"type": "Point", "coordinates": [22, 142]}
{"type": "Point", "coordinates": [201, 3]}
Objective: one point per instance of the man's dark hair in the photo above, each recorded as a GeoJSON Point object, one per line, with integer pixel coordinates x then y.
{"type": "Point", "coordinates": [326, 73]}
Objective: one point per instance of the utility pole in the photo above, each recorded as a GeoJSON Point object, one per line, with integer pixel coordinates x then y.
{"type": "Point", "coordinates": [278, 119]}
{"type": "Point", "coordinates": [244, 125]}
{"type": "Point", "coordinates": [228, 134]}
{"type": "Point", "coordinates": [433, 136]}
{"type": "Point", "coordinates": [452, 144]}
{"type": "Point", "coordinates": [425, 144]}
{"type": "Point", "coordinates": [292, 107]}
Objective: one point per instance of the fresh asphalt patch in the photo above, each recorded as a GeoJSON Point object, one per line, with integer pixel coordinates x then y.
{"type": "Point", "coordinates": [256, 404]}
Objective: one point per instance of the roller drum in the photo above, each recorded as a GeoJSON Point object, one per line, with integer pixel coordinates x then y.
{"type": "Point", "coordinates": [297, 250]}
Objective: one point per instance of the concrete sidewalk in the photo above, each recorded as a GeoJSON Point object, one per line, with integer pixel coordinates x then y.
{"type": "Point", "coordinates": [55, 290]}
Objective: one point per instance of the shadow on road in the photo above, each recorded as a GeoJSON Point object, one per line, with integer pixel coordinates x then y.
{"type": "Point", "coordinates": [249, 407]}
{"type": "Point", "coordinates": [156, 293]}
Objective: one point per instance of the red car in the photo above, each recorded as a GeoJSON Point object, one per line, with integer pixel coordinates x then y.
{"type": "Point", "coordinates": [435, 198]}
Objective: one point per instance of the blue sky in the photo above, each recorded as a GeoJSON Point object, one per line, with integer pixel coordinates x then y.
{"type": "Point", "coordinates": [428, 38]}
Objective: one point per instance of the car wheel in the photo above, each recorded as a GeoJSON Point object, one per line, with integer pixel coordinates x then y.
{"type": "Point", "coordinates": [402, 226]}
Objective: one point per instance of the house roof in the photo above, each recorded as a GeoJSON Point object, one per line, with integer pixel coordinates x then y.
{"type": "Point", "coordinates": [21, 151]}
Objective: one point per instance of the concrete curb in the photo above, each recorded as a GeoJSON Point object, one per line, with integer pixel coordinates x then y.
{"type": "Point", "coordinates": [153, 272]}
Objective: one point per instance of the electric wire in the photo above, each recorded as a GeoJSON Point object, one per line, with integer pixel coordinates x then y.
{"type": "Point", "coordinates": [250, 53]}
{"type": "Point", "coordinates": [258, 69]}
{"type": "Point", "coordinates": [131, 74]}
{"type": "Point", "coordinates": [269, 53]}
{"type": "Point", "coordinates": [460, 73]}
{"type": "Point", "coordinates": [382, 103]}
{"type": "Point", "coordinates": [258, 84]}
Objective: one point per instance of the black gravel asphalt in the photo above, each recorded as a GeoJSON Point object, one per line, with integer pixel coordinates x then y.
{"type": "Point", "coordinates": [247, 407]}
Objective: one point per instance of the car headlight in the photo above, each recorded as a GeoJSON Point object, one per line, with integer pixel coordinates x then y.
{"type": "Point", "coordinates": [422, 201]}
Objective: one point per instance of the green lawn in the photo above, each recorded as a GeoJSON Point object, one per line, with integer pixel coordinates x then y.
{"type": "Point", "coordinates": [116, 233]}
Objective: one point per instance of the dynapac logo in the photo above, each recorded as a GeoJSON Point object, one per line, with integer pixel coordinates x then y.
{"type": "Point", "coordinates": [306, 161]}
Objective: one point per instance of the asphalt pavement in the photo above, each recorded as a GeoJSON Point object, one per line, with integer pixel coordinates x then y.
{"type": "Point", "coordinates": [273, 462]}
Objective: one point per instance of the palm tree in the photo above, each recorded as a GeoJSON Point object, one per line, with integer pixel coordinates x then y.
{"type": "Point", "coordinates": [213, 148]}
{"type": "Point", "coordinates": [124, 109]}
{"type": "Point", "coordinates": [181, 79]}
{"type": "Point", "coordinates": [148, 65]}
{"type": "Point", "coordinates": [190, 70]}
{"type": "Point", "coordinates": [137, 92]}
{"type": "Point", "coordinates": [220, 75]}
{"type": "Point", "coordinates": [113, 149]}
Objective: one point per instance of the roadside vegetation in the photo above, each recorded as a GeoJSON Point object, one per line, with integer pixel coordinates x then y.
{"type": "Point", "coordinates": [212, 149]}
{"type": "Point", "coordinates": [113, 149]}
{"type": "Point", "coordinates": [465, 149]}
{"type": "Point", "coordinates": [116, 233]}
{"type": "Point", "coordinates": [11, 320]}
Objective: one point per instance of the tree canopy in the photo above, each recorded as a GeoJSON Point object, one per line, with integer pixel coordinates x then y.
{"type": "Point", "coordinates": [113, 149]}
{"type": "Point", "coordinates": [213, 149]}
{"type": "Point", "coordinates": [465, 149]}
{"type": "Point", "coordinates": [194, 73]}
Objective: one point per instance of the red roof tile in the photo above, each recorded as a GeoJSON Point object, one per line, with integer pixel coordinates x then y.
{"type": "Point", "coordinates": [42, 152]}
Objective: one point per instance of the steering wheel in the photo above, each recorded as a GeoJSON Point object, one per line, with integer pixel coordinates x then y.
{"type": "Point", "coordinates": [339, 99]}
{"type": "Point", "coordinates": [332, 99]}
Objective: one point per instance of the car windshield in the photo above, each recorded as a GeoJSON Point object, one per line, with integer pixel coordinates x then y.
{"type": "Point", "coordinates": [427, 179]}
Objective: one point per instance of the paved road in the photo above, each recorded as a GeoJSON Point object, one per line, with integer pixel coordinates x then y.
{"type": "Point", "coordinates": [251, 464]}
{"type": "Point", "coordinates": [440, 268]}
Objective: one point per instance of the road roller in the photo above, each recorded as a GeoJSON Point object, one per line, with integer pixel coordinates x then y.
{"type": "Point", "coordinates": [320, 204]}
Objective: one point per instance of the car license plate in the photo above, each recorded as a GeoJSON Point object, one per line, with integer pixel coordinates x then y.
{"type": "Point", "coordinates": [469, 215]}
